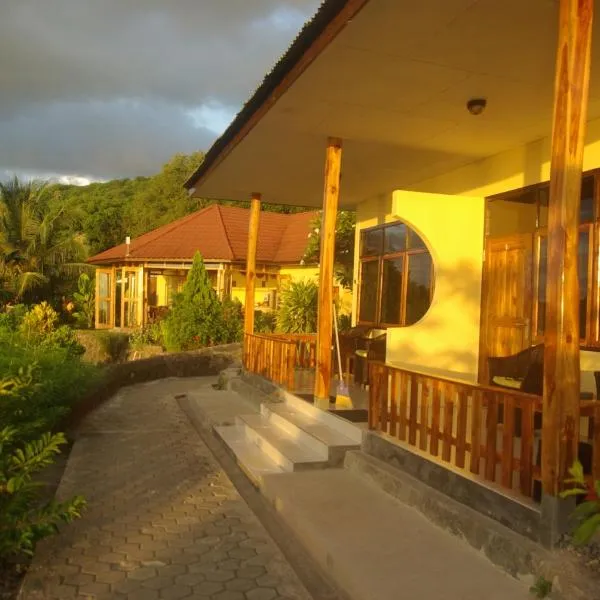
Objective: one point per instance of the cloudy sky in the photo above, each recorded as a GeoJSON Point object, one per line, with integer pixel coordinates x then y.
{"type": "Point", "coordinates": [97, 89]}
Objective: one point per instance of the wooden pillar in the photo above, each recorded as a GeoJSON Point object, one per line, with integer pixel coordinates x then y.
{"type": "Point", "coordinates": [251, 264]}
{"type": "Point", "coordinates": [560, 432]}
{"type": "Point", "coordinates": [333, 161]}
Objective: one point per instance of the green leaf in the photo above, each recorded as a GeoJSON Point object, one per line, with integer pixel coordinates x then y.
{"type": "Point", "coordinates": [573, 492]}
{"type": "Point", "coordinates": [577, 472]}
{"type": "Point", "coordinates": [586, 530]}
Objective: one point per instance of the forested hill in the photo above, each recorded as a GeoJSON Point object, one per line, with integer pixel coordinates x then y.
{"type": "Point", "coordinates": [107, 212]}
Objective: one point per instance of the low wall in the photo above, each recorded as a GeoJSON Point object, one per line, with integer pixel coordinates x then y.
{"type": "Point", "coordinates": [208, 361]}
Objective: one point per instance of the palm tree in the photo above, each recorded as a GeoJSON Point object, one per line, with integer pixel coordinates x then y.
{"type": "Point", "coordinates": [299, 307]}
{"type": "Point", "coordinates": [38, 243]}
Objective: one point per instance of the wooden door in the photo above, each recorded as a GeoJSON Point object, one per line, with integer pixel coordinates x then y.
{"type": "Point", "coordinates": [506, 299]}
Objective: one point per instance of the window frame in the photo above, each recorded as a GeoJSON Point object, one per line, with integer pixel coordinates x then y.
{"type": "Point", "coordinates": [591, 336]}
{"type": "Point", "coordinates": [380, 259]}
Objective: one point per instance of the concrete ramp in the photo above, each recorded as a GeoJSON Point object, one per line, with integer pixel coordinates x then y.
{"type": "Point", "coordinates": [377, 548]}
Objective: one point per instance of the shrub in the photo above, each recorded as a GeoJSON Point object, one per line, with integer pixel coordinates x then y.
{"type": "Point", "coordinates": [299, 306]}
{"type": "Point", "coordinates": [233, 317]}
{"type": "Point", "coordinates": [264, 322]}
{"type": "Point", "coordinates": [39, 321]}
{"type": "Point", "coordinates": [85, 302]}
{"type": "Point", "coordinates": [344, 322]}
{"type": "Point", "coordinates": [24, 520]}
{"type": "Point", "coordinates": [149, 335]}
{"type": "Point", "coordinates": [12, 317]}
{"type": "Point", "coordinates": [587, 513]}
{"type": "Point", "coordinates": [197, 318]}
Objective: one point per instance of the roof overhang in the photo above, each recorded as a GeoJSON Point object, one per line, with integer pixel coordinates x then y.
{"type": "Point", "coordinates": [392, 79]}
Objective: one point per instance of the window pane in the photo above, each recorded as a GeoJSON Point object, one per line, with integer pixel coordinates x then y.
{"type": "Point", "coordinates": [418, 294]}
{"type": "Point", "coordinates": [395, 238]}
{"type": "Point", "coordinates": [586, 211]}
{"type": "Point", "coordinates": [541, 314]}
{"type": "Point", "coordinates": [369, 281]}
{"type": "Point", "coordinates": [391, 298]}
{"type": "Point", "coordinates": [104, 284]}
{"type": "Point", "coordinates": [543, 208]}
{"type": "Point", "coordinates": [414, 240]}
{"type": "Point", "coordinates": [372, 242]}
{"type": "Point", "coordinates": [103, 312]}
{"type": "Point", "coordinates": [583, 261]}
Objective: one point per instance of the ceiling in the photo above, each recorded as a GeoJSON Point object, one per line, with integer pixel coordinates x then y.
{"type": "Point", "coordinates": [394, 85]}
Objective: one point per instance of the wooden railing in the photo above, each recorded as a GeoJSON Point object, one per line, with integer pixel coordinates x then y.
{"type": "Point", "coordinates": [488, 431]}
{"type": "Point", "coordinates": [270, 356]}
{"type": "Point", "coordinates": [591, 436]}
{"type": "Point", "coordinates": [306, 346]}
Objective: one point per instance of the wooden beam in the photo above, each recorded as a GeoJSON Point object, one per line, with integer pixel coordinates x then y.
{"type": "Point", "coordinates": [560, 432]}
{"type": "Point", "coordinates": [251, 263]}
{"type": "Point", "coordinates": [333, 163]}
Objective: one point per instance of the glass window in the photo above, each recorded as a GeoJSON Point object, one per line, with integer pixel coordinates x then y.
{"type": "Point", "coordinates": [386, 296]}
{"type": "Point", "coordinates": [391, 296]}
{"type": "Point", "coordinates": [372, 241]}
{"type": "Point", "coordinates": [583, 270]}
{"type": "Point", "coordinates": [394, 239]}
{"type": "Point", "coordinates": [369, 280]}
{"type": "Point", "coordinates": [419, 292]}
{"type": "Point", "coordinates": [104, 297]}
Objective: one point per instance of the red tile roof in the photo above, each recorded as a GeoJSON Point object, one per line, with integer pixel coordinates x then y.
{"type": "Point", "coordinates": [219, 233]}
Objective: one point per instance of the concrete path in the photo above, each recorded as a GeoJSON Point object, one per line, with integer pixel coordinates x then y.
{"type": "Point", "coordinates": [164, 521]}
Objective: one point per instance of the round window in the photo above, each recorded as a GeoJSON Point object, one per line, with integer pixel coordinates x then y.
{"type": "Point", "coordinates": [396, 276]}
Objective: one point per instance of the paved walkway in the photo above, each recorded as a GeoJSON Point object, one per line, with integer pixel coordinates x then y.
{"type": "Point", "coordinates": [163, 521]}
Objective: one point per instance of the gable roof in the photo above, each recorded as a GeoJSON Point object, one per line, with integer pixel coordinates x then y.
{"type": "Point", "coordinates": [219, 233]}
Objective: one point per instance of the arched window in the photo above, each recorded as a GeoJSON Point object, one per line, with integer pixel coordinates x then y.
{"type": "Point", "coordinates": [396, 276]}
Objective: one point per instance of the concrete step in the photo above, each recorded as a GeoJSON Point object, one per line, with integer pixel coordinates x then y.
{"type": "Point", "coordinates": [342, 426]}
{"type": "Point", "coordinates": [377, 548]}
{"type": "Point", "coordinates": [251, 459]}
{"type": "Point", "coordinates": [288, 453]}
{"type": "Point", "coordinates": [310, 432]}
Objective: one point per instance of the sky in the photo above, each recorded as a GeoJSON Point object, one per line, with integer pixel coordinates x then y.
{"type": "Point", "coordinates": [103, 89]}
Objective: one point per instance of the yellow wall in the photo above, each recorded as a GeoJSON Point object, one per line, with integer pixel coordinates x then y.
{"type": "Point", "coordinates": [508, 218]}
{"type": "Point", "coordinates": [238, 292]}
{"type": "Point", "coordinates": [446, 340]}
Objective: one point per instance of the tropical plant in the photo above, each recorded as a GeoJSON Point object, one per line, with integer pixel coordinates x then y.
{"type": "Point", "coordinates": [85, 301]}
{"type": "Point", "coordinates": [298, 310]}
{"type": "Point", "coordinates": [197, 318]}
{"type": "Point", "coordinates": [264, 322]}
{"type": "Point", "coordinates": [344, 322]}
{"type": "Point", "coordinates": [345, 229]}
{"type": "Point", "coordinates": [24, 519]}
{"type": "Point", "coordinates": [38, 246]}
{"type": "Point", "coordinates": [148, 335]}
{"type": "Point", "coordinates": [587, 514]}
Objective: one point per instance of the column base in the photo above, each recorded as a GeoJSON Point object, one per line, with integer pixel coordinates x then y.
{"type": "Point", "coordinates": [555, 519]}
{"type": "Point", "coordinates": [321, 403]}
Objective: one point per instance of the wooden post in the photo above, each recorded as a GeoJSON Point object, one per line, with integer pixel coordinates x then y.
{"type": "Point", "coordinates": [333, 161]}
{"type": "Point", "coordinates": [251, 264]}
{"type": "Point", "coordinates": [560, 433]}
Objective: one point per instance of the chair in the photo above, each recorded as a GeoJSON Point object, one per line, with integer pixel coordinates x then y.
{"type": "Point", "coordinates": [522, 371]}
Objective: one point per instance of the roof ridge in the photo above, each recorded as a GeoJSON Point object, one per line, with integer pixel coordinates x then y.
{"type": "Point", "coordinates": [288, 224]}
{"type": "Point", "coordinates": [232, 254]}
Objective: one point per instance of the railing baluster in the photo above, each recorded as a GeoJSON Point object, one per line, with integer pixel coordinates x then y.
{"type": "Point", "coordinates": [448, 422]}
{"type": "Point", "coordinates": [491, 436]}
{"type": "Point", "coordinates": [403, 383]}
{"type": "Point", "coordinates": [414, 407]}
{"type": "Point", "coordinates": [383, 400]}
{"type": "Point", "coordinates": [461, 428]}
{"type": "Point", "coordinates": [425, 395]}
{"type": "Point", "coordinates": [508, 431]}
{"type": "Point", "coordinates": [435, 419]}
{"type": "Point", "coordinates": [526, 459]}
{"type": "Point", "coordinates": [394, 404]}
{"type": "Point", "coordinates": [475, 432]}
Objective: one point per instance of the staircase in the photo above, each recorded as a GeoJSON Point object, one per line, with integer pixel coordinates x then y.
{"type": "Point", "coordinates": [288, 436]}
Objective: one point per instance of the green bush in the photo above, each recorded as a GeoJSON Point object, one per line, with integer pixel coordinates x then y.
{"type": "Point", "coordinates": [85, 302]}
{"type": "Point", "coordinates": [344, 323]}
{"type": "Point", "coordinates": [24, 519]}
{"type": "Point", "coordinates": [197, 318]}
{"type": "Point", "coordinates": [587, 513]}
{"type": "Point", "coordinates": [264, 322]}
{"type": "Point", "coordinates": [233, 315]}
{"type": "Point", "coordinates": [149, 335]}
{"type": "Point", "coordinates": [298, 310]}
{"type": "Point", "coordinates": [12, 316]}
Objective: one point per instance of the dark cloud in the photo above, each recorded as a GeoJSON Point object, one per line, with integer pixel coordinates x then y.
{"type": "Point", "coordinates": [108, 87]}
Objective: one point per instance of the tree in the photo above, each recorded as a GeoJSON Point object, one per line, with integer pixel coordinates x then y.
{"type": "Point", "coordinates": [39, 248]}
{"type": "Point", "coordinates": [197, 318]}
{"type": "Point", "coordinates": [344, 246]}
